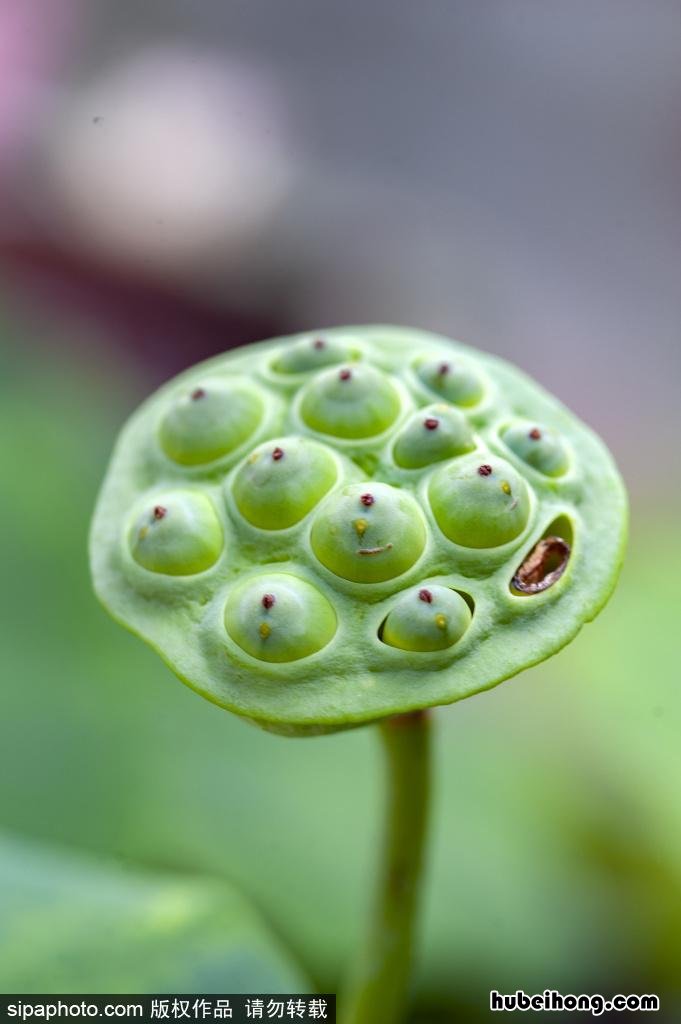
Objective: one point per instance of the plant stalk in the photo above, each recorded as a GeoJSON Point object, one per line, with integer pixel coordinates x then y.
{"type": "Point", "coordinates": [379, 984]}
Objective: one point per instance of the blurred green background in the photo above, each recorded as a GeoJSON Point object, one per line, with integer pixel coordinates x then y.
{"type": "Point", "coordinates": [174, 184]}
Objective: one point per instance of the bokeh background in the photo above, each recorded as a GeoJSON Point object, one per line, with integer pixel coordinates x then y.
{"type": "Point", "coordinates": [176, 179]}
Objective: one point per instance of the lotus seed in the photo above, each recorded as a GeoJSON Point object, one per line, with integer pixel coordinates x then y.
{"type": "Point", "coordinates": [276, 486]}
{"type": "Point", "coordinates": [457, 382]}
{"type": "Point", "coordinates": [431, 619]}
{"type": "Point", "coordinates": [540, 448]}
{"type": "Point", "coordinates": [443, 434]}
{"type": "Point", "coordinates": [208, 422]}
{"type": "Point", "coordinates": [178, 537]}
{"type": "Point", "coordinates": [391, 540]}
{"type": "Point", "coordinates": [314, 353]}
{"type": "Point", "coordinates": [297, 620]}
{"type": "Point", "coordinates": [350, 404]}
{"type": "Point", "coordinates": [474, 509]}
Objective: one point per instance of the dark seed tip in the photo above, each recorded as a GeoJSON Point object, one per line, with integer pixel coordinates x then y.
{"type": "Point", "coordinates": [425, 595]}
{"type": "Point", "coordinates": [431, 423]}
{"type": "Point", "coordinates": [345, 374]}
{"type": "Point", "coordinates": [443, 369]}
{"type": "Point", "coordinates": [318, 343]}
{"type": "Point", "coordinates": [268, 600]}
{"type": "Point", "coordinates": [367, 499]}
{"type": "Point", "coordinates": [198, 393]}
{"type": "Point", "coordinates": [277, 454]}
{"type": "Point", "coordinates": [159, 511]}
{"type": "Point", "coordinates": [535, 434]}
{"type": "Point", "coordinates": [485, 469]}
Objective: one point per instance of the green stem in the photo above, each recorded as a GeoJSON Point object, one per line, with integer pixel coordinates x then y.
{"type": "Point", "coordinates": [380, 981]}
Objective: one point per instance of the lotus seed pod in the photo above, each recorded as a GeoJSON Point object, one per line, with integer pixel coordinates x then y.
{"type": "Point", "coordinates": [369, 533]}
{"type": "Point", "coordinates": [207, 421]}
{"type": "Point", "coordinates": [177, 534]}
{"type": "Point", "coordinates": [355, 501]}
{"type": "Point", "coordinates": [313, 353]}
{"type": "Point", "coordinates": [428, 618]}
{"type": "Point", "coordinates": [433, 434]}
{"type": "Point", "coordinates": [350, 402]}
{"type": "Point", "coordinates": [278, 483]}
{"type": "Point", "coordinates": [538, 446]}
{"type": "Point", "coordinates": [277, 617]}
{"type": "Point", "coordinates": [452, 379]}
{"type": "Point", "coordinates": [480, 504]}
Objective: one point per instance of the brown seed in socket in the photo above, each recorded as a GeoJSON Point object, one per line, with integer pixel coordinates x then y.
{"type": "Point", "coordinates": [545, 564]}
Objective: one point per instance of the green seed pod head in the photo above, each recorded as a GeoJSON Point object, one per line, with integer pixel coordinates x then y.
{"type": "Point", "coordinates": [177, 533]}
{"type": "Point", "coordinates": [279, 482]}
{"type": "Point", "coordinates": [205, 422]}
{"type": "Point", "coordinates": [453, 379]}
{"type": "Point", "coordinates": [538, 446]}
{"type": "Point", "coordinates": [432, 434]}
{"type": "Point", "coordinates": [480, 504]}
{"type": "Point", "coordinates": [278, 617]}
{"type": "Point", "coordinates": [350, 402]}
{"type": "Point", "coordinates": [428, 618]}
{"type": "Point", "coordinates": [313, 352]}
{"type": "Point", "coordinates": [305, 550]}
{"type": "Point", "coordinates": [369, 533]}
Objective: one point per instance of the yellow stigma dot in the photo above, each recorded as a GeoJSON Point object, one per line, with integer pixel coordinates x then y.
{"type": "Point", "coordinates": [253, 458]}
{"type": "Point", "coordinates": [264, 630]}
{"type": "Point", "coordinates": [506, 487]}
{"type": "Point", "coordinates": [143, 532]}
{"type": "Point", "coordinates": [360, 526]}
{"type": "Point", "coordinates": [441, 621]}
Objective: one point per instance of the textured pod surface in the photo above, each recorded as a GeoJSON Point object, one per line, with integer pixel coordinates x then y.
{"type": "Point", "coordinates": [323, 557]}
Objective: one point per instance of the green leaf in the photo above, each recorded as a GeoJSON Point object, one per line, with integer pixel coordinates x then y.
{"type": "Point", "coordinates": [71, 925]}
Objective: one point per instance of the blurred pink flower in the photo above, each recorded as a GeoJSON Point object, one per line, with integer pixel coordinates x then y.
{"type": "Point", "coordinates": [33, 37]}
